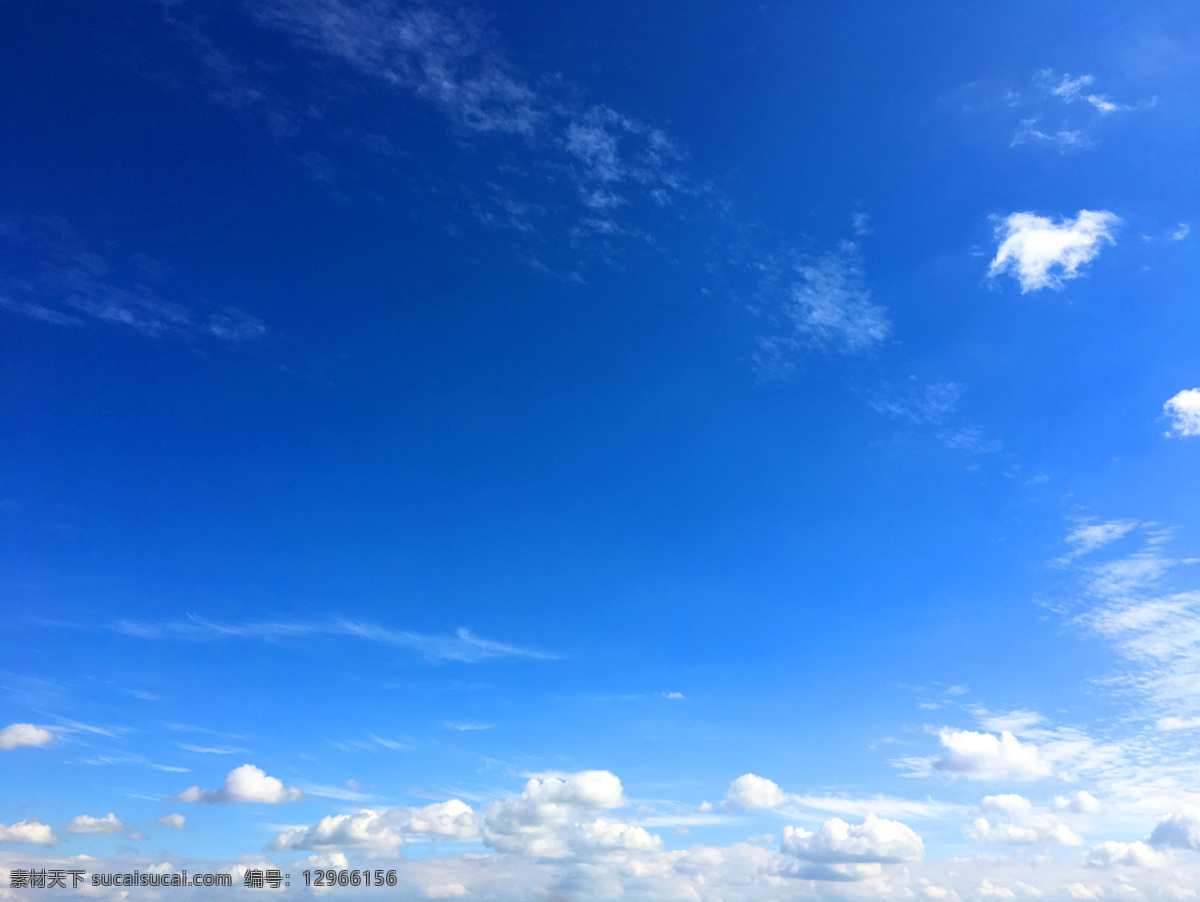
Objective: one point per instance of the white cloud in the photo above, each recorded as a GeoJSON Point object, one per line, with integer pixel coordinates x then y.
{"type": "Point", "coordinates": [919, 402]}
{"type": "Point", "coordinates": [1082, 802]}
{"type": "Point", "coordinates": [1034, 830]}
{"type": "Point", "coordinates": [20, 735]}
{"type": "Point", "coordinates": [1181, 232]}
{"type": "Point", "coordinates": [464, 646]}
{"type": "Point", "coordinates": [982, 756]}
{"type": "Point", "coordinates": [28, 831]}
{"type": "Point", "coordinates": [875, 840]}
{"type": "Point", "coordinates": [95, 826]}
{"type": "Point", "coordinates": [444, 891]}
{"type": "Point", "coordinates": [1033, 247]}
{"type": "Point", "coordinates": [750, 792]}
{"type": "Point", "coordinates": [175, 821]}
{"type": "Point", "coordinates": [70, 281]}
{"type": "Point", "coordinates": [831, 305]}
{"type": "Point", "coordinates": [1069, 88]}
{"type": "Point", "coordinates": [1079, 891]}
{"type": "Point", "coordinates": [365, 830]}
{"type": "Point", "coordinates": [245, 784]}
{"type": "Point", "coordinates": [1009, 805]}
{"type": "Point", "coordinates": [1136, 854]}
{"type": "Point", "coordinates": [554, 817]}
{"type": "Point", "coordinates": [1087, 537]}
{"type": "Point", "coordinates": [1184, 411]}
{"type": "Point", "coordinates": [1178, 831]}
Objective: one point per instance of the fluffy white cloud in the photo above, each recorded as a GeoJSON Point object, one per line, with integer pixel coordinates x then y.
{"type": "Point", "coordinates": [244, 784]}
{"type": "Point", "coordinates": [381, 832]}
{"type": "Point", "coordinates": [984, 756]}
{"type": "Point", "coordinates": [554, 817]}
{"type": "Point", "coordinates": [1184, 411]}
{"type": "Point", "coordinates": [95, 826]}
{"type": "Point", "coordinates": [173, 820]}
{"type": "Point", "coordinates": [750, 792]}
{"type": "Point", "coordinates": [1041, 253]}
{"type": "Point", "coordinates": [19, 735]}
{"type": "Point", "coordinates": [366, 830]}
{"type": "Point", "coordinates": [1036, 830]}
{"type": "Point", "coordinates": [1010, 805]}
{"type": "Point", "coordinates": [1080, 803]}
{"type": "Point", "coordinates": [874, 841]}
{"type": "Point", "coordinates": [1134, 854]}
{"type": "Point", "coordinates": [28, 831]}
{"type": "Point", "coordinates": [1178, 831]}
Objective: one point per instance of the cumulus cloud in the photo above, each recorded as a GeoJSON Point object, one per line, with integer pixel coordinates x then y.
{"type": "Point", "coordinates": [95, 826]}
{"type": "Point", "coordinates": [1184, 411]}
{"type": "Point", "coordinates": [20, 735]}
{"type": "Point", "coordinates": [1082, 802]}
{"type": "Point", "coordinates": [1135, 854]}
{"type": "Point", "coordinates": [555, 816]}
{"type": "Point", "coordinates": [28, 831]}
{"type": "Point", "coordinates": [750, 792]}
{"type": "Point", "coordinates": [175, 821]}
{"type": "Point", "coordinates": [1009, 805]}
{"type": "Point", "coordinates": [244, 784]}
{"type": "Point", "coordinates": [1178, 831]}
{"type": "Point", "coordinates": [1041, 253]}
{"type": "Point", "coordinates": [366, 830]}
{"type": "Point", "coordinates": [982, 756]}
{"type": "Point", "coordinates": [874, 841]}
{"type": "Point", "coordinates": [1034, 830]}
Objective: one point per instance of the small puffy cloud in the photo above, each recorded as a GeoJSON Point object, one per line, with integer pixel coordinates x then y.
{"type": "Point", "coordinates": [1184, 411]}
{"type": "Point", "coordinates": [1041, 253]}
{"type": "Point", "coordinates": [1010, 805]}
{"type": "Point", "coordinates": [366, 830]}
{"type": "Point", "coordinates": [1178, 831]}
{"type": "Point", "coordinates": [1181, 232]}
{"type": "Point", "coordinates": [1037, 830]}
{"type": "Point", "coordinates": [1079, 891]}
{"type": "Point", "coordinates": [874, 841]}
{"type": "Point", "coordinates": [244, 784]}
{"type": "Point", "coordinates": [1080, 803]}
{"type": "Point", "coordinates": [750, 792]}
{"type": "Point", "coordinates": [28, 831]}
{"type": "Point", "coordinates": [20, 735]}
{"type": "Point", "coordinates": [175, 821]}
{"type": "Point", "coordinates": [1135, 854]}
{"type": "Point", "coordinates": [95, 826]}
{"type": "Point", "coordinates": [986, 756]}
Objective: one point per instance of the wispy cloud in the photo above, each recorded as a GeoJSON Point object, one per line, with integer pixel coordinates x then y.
{"type": "Point", "coordinates": [819, 302]}
{"type": "Point", "coordinates": [462, 646]}
{"type": "Point", "coordinates": [917, 401]}
{"type": "Point", "coordinates": [52, 276]}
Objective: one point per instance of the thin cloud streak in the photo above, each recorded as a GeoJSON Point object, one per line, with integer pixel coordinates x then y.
{"type": "Point", "coordinates": [464, 646]}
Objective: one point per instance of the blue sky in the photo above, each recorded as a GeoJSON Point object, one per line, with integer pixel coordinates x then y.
{"type": "Point", "coordinates": [671, 452]}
